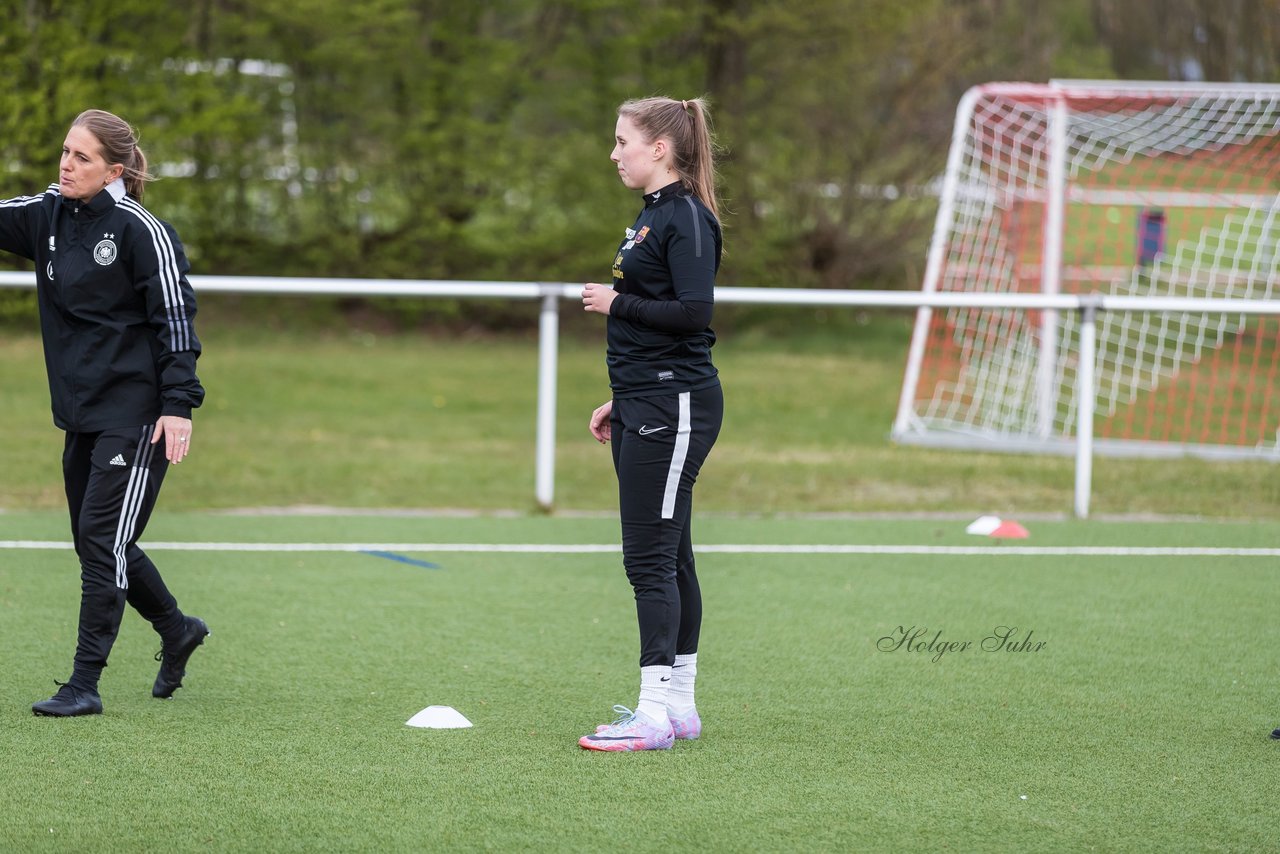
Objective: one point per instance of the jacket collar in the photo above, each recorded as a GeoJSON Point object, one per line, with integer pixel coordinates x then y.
{"type": "Point", "coordinates": [668, 192]}
{"type": "Point", "coordinates": [103, 201]}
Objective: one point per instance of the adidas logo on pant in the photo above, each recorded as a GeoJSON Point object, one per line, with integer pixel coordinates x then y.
{"type": "Point", "coordinates": [118, 460]}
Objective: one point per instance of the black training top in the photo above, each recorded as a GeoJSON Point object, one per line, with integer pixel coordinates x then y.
{"type": "Point", "coordinates": [664, 274]}
{"type": "Point", "coordinates": [115, 307]}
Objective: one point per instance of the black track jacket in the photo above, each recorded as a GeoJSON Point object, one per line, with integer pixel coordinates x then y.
{"type": "Point", "coordinates": [115, 307]}
{"type": "Point", "coordinates": [659, 340]}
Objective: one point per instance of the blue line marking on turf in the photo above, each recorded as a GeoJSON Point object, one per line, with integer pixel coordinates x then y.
{"type": "Point", "coordinates": [402, 559]}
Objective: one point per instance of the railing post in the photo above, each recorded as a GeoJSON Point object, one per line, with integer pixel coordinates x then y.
{"type": "Point", "coordinates": [1086, 399]}
{"type": "Point", "coordinates": [548, 346]}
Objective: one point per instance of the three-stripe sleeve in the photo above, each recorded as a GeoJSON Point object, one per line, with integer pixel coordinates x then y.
{"type": "Point", "coordinates": [170, 276]}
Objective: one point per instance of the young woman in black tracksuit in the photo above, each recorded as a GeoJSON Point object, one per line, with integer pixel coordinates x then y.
{"type": "Point", "coordinates": [116, 316]}
{"type": "Point", "coordinates": [667, 406]}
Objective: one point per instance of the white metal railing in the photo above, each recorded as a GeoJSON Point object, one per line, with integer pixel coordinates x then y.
{"type": "Point", "coordinates": [551, 293]}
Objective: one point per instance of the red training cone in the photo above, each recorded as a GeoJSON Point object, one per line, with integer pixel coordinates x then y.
{"type": "Point", "coordinates": [1010, 530]}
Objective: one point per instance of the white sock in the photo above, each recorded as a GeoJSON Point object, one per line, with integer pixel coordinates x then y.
{"type": "Point", "coordinates": [654, 682]}
{"type": "Point", "coordinates": [680, 696]}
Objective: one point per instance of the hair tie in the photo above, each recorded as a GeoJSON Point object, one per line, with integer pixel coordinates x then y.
{"type": "Point", "coordinates": [684, 104]}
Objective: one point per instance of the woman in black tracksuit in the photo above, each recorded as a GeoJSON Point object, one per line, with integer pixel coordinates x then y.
{"type": "Point", "coordinates": [116, 316]}
{"type": "Point", "coordinates": [667, 405]}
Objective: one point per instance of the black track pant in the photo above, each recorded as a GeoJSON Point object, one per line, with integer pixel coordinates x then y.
{"type": "Point", "coordinates": [112, 480]}
{"type": "Point", "coordinates": [659, 445]}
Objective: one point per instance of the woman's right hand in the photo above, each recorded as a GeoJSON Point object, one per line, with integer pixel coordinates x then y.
{"type": "Point", "coordinates": [600, 425]}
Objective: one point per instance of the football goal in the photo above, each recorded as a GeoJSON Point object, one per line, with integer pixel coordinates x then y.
{"type": "Point", "coordinates": [1121, 189]}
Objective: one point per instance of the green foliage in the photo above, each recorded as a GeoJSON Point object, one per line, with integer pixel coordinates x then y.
{"type": "Point", "coordinates": [436, 139]}
{"type": "Point", "coordinates": [1237, 41]}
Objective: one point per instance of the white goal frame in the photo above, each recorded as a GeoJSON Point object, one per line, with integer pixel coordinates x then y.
{"type": "Point", "coordinates": [1034, 400]}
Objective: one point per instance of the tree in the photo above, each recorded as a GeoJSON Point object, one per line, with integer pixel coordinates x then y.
{"type": "Point", "coordinates": [441, 139]}
{"type": "Point", "coordinates": [1219, 40]}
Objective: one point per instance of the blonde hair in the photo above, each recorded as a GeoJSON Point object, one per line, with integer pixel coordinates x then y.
{"type": "Point", "coordinates": [119, 145]}
{"type": "Point", "coordinates": [687, 126]}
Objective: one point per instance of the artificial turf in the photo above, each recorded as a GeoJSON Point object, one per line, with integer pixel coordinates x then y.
{"type": "Point", "coordinates": [1140, 724]}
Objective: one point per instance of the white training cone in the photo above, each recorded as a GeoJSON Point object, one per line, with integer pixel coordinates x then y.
{"type": "Point", "coordinates": [439, 717]}
{"type": "Point", "coordinates": [983, 525]}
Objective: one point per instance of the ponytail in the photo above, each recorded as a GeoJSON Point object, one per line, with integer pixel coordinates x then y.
{"type": "Point", "coordinates": [687, 125]}
{"type": "Point", "coordinates": [136, 175]}
{"type": "Point", "coordinates": [119, 145]}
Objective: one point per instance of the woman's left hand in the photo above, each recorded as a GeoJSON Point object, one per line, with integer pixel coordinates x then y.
{"type": "Point", "coordinates": [176, 432]}
{"type": "Point", "coordinates": [597, 298]}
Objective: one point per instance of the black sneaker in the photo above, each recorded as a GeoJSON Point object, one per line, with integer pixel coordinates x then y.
{"type": "Point", "coordinates": [1275, 733]}
{"type": "Point", "coordinates": [173, 662]}
{"type": "Point", "coordinates": [69, 702]}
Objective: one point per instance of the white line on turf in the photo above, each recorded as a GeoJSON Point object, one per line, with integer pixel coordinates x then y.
{"type": "Point", "coordinates": [570, 548]}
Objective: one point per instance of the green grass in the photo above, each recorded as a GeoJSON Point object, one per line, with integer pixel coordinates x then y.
{"type": "Point", "coordinates": [408, 420]}
{"type": "Point", "coordinates": [1141, 725]}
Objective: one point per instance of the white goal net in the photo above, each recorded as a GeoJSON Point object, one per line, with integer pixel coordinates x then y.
{"type": "Point", "coordinates": [1135, 189]}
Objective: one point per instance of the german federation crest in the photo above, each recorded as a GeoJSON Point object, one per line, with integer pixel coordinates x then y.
{"type": "Point", "coordinates": [105, 252]}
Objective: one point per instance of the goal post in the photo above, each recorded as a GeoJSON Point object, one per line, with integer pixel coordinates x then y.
{"type": "Point", "coordinates": [1115, 188]}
